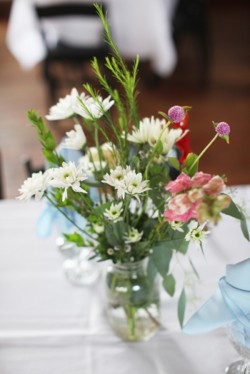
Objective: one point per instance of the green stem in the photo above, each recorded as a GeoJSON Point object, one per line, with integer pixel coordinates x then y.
{"type": "Point", "coordinates": [69, 219]}
{"type": "Point", "coordinates": [203, 151]}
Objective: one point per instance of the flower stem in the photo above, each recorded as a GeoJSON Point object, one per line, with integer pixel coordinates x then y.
{"type": "Point", "coordinates": [203, 151]}
{"type": "Point", "coordinates": [69, 219]}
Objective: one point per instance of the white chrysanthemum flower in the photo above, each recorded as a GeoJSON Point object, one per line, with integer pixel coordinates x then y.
{"type": "Point", "coordinates": [133, 236]}
{"type": "Point", "coordinates": [169, 137]}
{"type": "Point", "coordinates": [114, 212]}
{"type": "Point", "coordinates": [35, 186]}
{"type": "Point", "coordinates": [98, 227]}
{"type": "Point", "coordinates": [132, 184]}
{"type": "Point", "coordinates": [89, 108]}
{"type": "Point", "coordinates": [65, 107]}
{"type": "Point", "coordinates": [86, 165]}
{"type": "Point", "coordinates": [76, 139]}
{"type": "Point", "coordinates": [140, 135]}
{"type": "Point", "coordinates": [177, 225]}
{"type": "Point", "coordinates": [68, 176]}
{"type": "Point", "coordinates": [196, 233]}
{"type": "Point", "coordinates": [116, 176]}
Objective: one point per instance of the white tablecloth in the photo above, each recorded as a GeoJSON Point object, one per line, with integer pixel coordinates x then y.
{"type": "Point", "coordinates": [48, 326]}
{"type": "Point", "coordinates": [138, 27]}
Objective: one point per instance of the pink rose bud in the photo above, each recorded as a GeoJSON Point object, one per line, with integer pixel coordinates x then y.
{"type": "Point", "coordinates": [176, 113]}
{"type": "Point", "coordinates": [214, 186]}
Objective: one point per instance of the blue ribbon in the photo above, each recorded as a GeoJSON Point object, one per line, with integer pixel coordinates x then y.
{"type": "Point", "coordinates": [230, 303]}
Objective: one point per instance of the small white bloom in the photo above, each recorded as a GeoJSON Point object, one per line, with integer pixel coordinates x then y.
{"type": "Point", "coordinates": [116, 176]}
{"type": "Point", "coordinates": [114, 212]}
{"type": "Point", "coordinates": [133, 236]}
{"type": "Point", "coordinates": [110, 251]}
{"type": "Point", "coordinates": [85, 164]}
{"type": "Point", "coordinates": [68, 176]}
{"type": "Point", "coordinates": [127, 248]}
{"type": "Point", "coordinates": [64, 108]}
{"type": "Point", "coordinates": [98, 227]}
{"type": "Point", "coordinates": [35, 186]}
{"type": "Point", "coordinates": [76, 139]}
{"type": "Point", "coordinates": [132, 184]}
{"type": "Point", "coordinates": [196, 233]}
{"type": "Point", "coordinates": [89, 108]}
{"type": "Point", "coordinates": [177, 226]}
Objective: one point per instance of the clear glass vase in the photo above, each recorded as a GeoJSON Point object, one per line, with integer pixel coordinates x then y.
{"type": "Point", "coordinates": [77, 267]}
{"type": "Point", "coordinates": [133, 301]}
{"type": "Point", "coordinates": [239, 335]}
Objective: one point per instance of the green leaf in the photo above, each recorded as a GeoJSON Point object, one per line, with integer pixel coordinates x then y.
{"type": "Point", "coordinates": [162, 255]}
{"type": "Point", "coordinates": [174, 162]}
{"type": "Point", "coordinates": [190, 161]}
{"type": "Point", "coordinates": [151, 270]}
{"type": "Point", "coordinates": [169, 284]}
{"type": "Point", "coordinates": [234, 211]}
{"type": "Point", "coordinates": [181, 307]}
{"type": "Point", "coordinates": [75, 238]}
{"type": "Point", "coordinates": [194, 268]}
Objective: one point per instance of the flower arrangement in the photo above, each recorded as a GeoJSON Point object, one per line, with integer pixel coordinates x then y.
{"type": "Point", "coordinates": [142, 196]}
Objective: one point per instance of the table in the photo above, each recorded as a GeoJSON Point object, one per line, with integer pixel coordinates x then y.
{"type": "Point", "coordinates": [48, 326]}
{"type": "Point", "coordinates": [138, 27]}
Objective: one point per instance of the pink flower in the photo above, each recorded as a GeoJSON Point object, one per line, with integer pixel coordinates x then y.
{"type": "Point", "coordinates": [181, 183]}
{"type": "Point", "coordinates": [176, 113]}
{"type": "Point", "coordinates": [223, 128]}
{"type": "Point", "coordinates": [181, 209]}
{"type": "Point", "coordinates": [214, 186]}
{"type": "Point", "coordinates": [200, 178]}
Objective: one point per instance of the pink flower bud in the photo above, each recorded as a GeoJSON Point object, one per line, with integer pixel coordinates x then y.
{"type": "Point", "coordinates": [176, 113]}
{"type": "Point", "coordinates": [222, 128]}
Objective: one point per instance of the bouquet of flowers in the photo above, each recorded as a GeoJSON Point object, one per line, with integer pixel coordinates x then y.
{"type": "Point", "coordinates": [140, 194]}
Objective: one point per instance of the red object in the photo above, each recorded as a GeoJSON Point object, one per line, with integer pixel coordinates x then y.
{"type": "Point", "coordinates": [184, 143]}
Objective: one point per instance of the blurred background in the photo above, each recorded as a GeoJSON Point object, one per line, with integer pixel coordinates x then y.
{"type": "Point", "coordinates": [206, 65]}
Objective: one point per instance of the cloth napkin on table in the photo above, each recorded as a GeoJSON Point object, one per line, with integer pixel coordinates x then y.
{"type": "Point", "coordinates": [230, 303]}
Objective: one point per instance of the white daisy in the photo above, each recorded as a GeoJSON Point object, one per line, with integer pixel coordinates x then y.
{"type": "Point", "coordinates": [196, 233]}
{"type": "Point", "coordinates": [133, 236]}
{"type": "Point", "coordinates": [114, 212]}
{"type": "Point", "coordinates": [98, 227]}
{"type": "Point", "coordinates": [68, 176]}
{"type": "Point", "coordinates": [65, 107]}
{"type": "Point", "coordinates": [76, 139]}
{"type": "Point", "coordinates": [177, 226]}
{"type": "Point", "coordinates": [131, 184]}
{"type": "Point", "coordinates": [34, 186]}
{"type": "Point", "coordinates": [89, 108]}
{"type": "Point", "coordinates": [116, 176]}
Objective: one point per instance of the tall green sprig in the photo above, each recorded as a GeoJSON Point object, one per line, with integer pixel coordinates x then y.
{"type": "Point", "coordinates": [46, 139]}
{"type": "Point", "coordinates": [127, 105]}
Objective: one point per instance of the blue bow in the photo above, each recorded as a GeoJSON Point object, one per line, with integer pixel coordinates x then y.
{"type": "Point", "coordinates": [230, 303]}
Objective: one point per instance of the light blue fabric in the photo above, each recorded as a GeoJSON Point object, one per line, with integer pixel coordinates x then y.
{"type": "Point", "coordinates": [231, 302]}
{"type": "Point", "coordinates": [51, 217]}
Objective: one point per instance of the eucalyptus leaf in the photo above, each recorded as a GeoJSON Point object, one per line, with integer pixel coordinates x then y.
{"type": "Point", "coordinates": [234, 211]}
{"type": "Point", "coordinates": [169, 284]}
{"type": "Point", "coordinates": [182, 307]}
{"type": "Point", "coordinates": [162, 255]}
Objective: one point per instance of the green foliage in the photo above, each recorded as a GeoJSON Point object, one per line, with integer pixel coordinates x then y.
{"type": "Point", "coordinates": [191, 164]}
{"type": "Point", "coordinates": [75, 238]}
{"type": "Point", "coordinates": [234, 211]}
{"type": "Point", "coordinates": [181, 307]}
{"type": "Point", "coordinates": [169, 284]}
{"type": "Point", "coordinates": [46, 139]}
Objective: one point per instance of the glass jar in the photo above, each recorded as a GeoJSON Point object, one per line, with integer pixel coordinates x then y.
{"type": "Point", "coordinates": [239, 335]}
{"type": "Point", "coordinates": [133, 301]}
